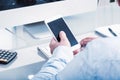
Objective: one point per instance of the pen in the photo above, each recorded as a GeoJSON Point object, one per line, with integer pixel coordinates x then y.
{"type": "Point", "coordinates": [112, 32]}
{"type": "Point", "coordinates": [9, 31]}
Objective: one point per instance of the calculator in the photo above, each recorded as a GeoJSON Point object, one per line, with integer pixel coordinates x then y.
{"type": "Point", "coordinates": [6, 56]}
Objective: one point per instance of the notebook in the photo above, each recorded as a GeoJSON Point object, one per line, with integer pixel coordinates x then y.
{"type": "Point", "coordinates": [105, 32]}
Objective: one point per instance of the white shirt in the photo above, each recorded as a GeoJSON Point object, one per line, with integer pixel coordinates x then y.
{"type": "Point", "coordinates": [100, 60]}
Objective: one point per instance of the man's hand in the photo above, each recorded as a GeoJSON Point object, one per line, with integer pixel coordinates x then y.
{"type": "Point", "coordinates": [84, 41]}
{"type": "Point", "coordinates": [63, 41]}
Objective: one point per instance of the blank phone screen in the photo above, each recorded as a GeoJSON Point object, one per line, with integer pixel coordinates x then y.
{"type": "Point", "coordinates": [59, 25]}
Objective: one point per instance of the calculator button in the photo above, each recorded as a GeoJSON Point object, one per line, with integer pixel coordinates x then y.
{"type": "Point", "coordinates": [2, 54]}
{"type": "Point", "coordinates": [0, 51]}
{"type": "Point", "coordinates": [5, 55]}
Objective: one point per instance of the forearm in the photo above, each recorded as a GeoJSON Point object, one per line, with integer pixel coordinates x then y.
{"type": "Point", "coordinates": [61, 56]}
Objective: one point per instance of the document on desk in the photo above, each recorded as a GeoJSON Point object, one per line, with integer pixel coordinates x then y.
{"type": "Point", "coordinates": [109, 31]}
{"type": "Point", "coordinates": [45, 51]}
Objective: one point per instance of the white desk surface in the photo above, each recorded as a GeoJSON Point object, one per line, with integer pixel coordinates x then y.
{"type": "Point", "coordinates": [30, 55]}
{"type": "Point", "coordinates": [24, 57]}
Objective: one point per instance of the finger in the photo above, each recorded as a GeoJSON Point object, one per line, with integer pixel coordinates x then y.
{"type": "Point", "coordinates": [84, 41]}
{"type": "Point", "coordinates": [88, 39]}
{"type": "Point", "coordinates": [63, 36]}
{"type": "Point", "coordinates": [76, 51]}
{"type": "Point", "coordinates": [52, 42]}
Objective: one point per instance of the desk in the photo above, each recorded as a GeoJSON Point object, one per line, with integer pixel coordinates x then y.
{"type": "Point", "coordinates": [29, 61]}
{"type": "Point", "coordinates": [24, 64]}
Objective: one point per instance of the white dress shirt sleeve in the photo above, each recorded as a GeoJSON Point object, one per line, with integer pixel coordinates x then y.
{"type": "Point", "coordinates": [61, 56]}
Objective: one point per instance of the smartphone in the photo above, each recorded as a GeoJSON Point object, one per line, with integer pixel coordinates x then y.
{"type": "Point", "coordinates": [57, 24]}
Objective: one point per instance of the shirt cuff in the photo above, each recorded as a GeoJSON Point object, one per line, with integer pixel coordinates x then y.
{"type": "Point", "coordinates": [63, 52]}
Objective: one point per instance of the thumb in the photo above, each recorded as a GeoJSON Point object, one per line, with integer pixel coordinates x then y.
{"type": "Point", "coordinates": [62, 36]}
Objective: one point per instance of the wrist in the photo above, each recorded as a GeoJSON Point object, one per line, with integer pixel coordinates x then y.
{"type": "Point", "coordinates": [63, 52]}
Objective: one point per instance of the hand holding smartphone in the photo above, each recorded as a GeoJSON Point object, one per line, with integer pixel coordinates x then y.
{"type": "Point", "coordinates": [57, 24]}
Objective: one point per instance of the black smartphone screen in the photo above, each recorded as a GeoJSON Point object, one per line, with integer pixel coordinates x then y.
{"type": "Point", "coordinates": [59, 25]}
